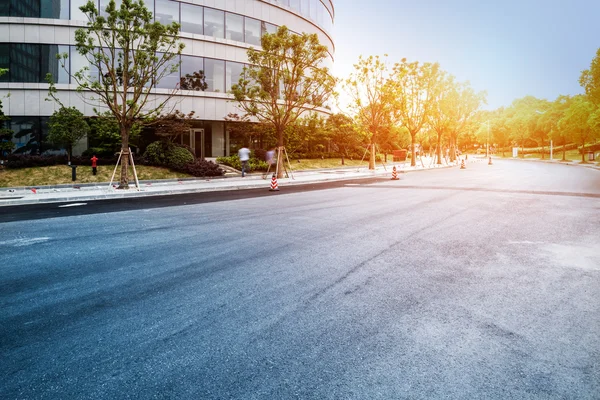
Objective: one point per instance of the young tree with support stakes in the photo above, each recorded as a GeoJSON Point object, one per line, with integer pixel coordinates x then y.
{"type": "Point", "coordinates": [284, 80]}
{"type": "Point", "coordinates": [413, 95]}
{"type": "Point", "coordinates": [131, 53]}
{"type": "Point", "coordinates": [370, 99]}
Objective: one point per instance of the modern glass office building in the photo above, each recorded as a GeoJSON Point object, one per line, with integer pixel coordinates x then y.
{"type": "Point", "coordinates": [216, 34]}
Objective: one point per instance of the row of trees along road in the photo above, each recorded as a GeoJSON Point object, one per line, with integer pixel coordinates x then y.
{"type": "Point", "coordinates": [286, 84]}
{"type": "Point", "coordinates": [410, 97]}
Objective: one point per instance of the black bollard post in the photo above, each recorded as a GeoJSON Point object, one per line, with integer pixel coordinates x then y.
{"type": "Point", "coordinates": [73, 172]}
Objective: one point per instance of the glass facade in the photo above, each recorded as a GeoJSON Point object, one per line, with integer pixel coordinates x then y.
{"type": "Point", "coordinates": [193, 18]}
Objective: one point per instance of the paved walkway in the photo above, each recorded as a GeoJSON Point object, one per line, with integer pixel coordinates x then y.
{"type": "Point", "coordinates": [95, 191]}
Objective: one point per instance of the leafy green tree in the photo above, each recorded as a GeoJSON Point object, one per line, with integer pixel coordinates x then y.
{"type": "Point", "coordinates": [370, 99]}
{"type": "Point", "coordinates": [284, 80]}
{"type": "Point", "coordinates": [549, 121]}
{"type": "Point", "coordinates": [343, 134]}
{"type": "Point", "coordinates": [6, 134]}
{"type": "Point", "coordinates": [590, 80]}
{"type": "Point", "coordinates": [579, 120]}
{"type": "Point", "coordinates": [131, 53]}
{"type": "Point", "coordinates": [106, 133]}
{"type": "Point", "coordinates": [67, 127]}
{"type": "Point", "coordinates": [454, 106]}
{"type": "Point", "coordinates": [413, 87]}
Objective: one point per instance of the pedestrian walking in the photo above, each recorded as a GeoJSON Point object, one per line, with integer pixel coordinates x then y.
{"type": "Point", "coordinates": [94, 164]}
{"type": "Point", "coordinates": [244, 154]}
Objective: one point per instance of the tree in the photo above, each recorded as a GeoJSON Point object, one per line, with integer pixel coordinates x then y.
{"type": "Point", "coordinates": [413, 91]}
{"type": "Point", "coordinates": [6, 134]}
{"type": "Point", "coordinates": [284, 80]}
{"type": "Point", "coordinates": [550, 122]}
{"type": "Point", "coordinates": [342, 132]}
{"type": "Point", "coordinates": [580, 121]}
{"type": "Point", "coordinates": [590, 80]}
{"type": "Point", "coordinates": [67, 127]}
{"type": "Point", "coordinates": [370, 101]}
{"type": "Point", "coordinates": [172, 126]}
{"type": "Point", "coordinates": [131, 53]}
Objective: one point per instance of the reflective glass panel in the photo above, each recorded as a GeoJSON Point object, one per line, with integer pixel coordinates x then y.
{"type": "Point", "coordinates": [24, 62]}
{"type": "Point", "coordinates": [24, 8]}
{"type": "Point", "coordinates": [266, 27]}
{"type": "Point", "coordinates": [57, 9]}
{"type": "Point", "coordinates": [192, 73]}
{"type": "Point", "coordinates": [295, 4]}
{"type": "Point", "coordinates": [168, 80]}
{"type": "Point", "coordinates": [233, 72]}
{"type": "Point", "coordinates": [235, 27]}
{"type": "Point", "coordinates": [215, 75]}
{"type": "Point", "coordinates": [5, 60]}
{"type": "Point", "coordinates": [191, 18]}
{"type": "Point", "coordinates": [252, 30]}
{"type": "Point", "coordinates": [214, 23]}
{"type": "Point", "coordinates": [166, 12]}
{"type": "Point", "coordinates": [76, 13]}
{"type": "Point", "coordinates": [78, 62]}
{"type": "Point", "coordinates": [104, 4]}
{"type": "Point", "coordinates": [51, 65]}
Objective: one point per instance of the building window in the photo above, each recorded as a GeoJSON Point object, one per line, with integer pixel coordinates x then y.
{"type": "Point", "coordinates": [215, 75]}
{"type": "Point", "coordinates": [57, 9]}
{"type": "Point", "coordinates": [168, 80]}
{"type": "Point", "coordinates": [295, 5]}
{"type": "Point", "coordinates": [192, 73]}
{"type": "Point", "coordinates": [5, 61]}
{"type": "Point", "coordinates": [214, 23]}
{"type": "Point", "coordinates": [166, 12]}
{"type": "Point", "coordinates": [233, 73]}
{"type": "Point", "coordinates": [235, 27]}
{"type": "Point", "coordinates": [104, 4]}
{"type": "Point", "coordinates": [78, 63]}
{"type": "Point", "coordinates": [53, 66]}
{"type": "Point", "coordinates": [252, 31]}
{"type": "Point", "coordinates": [266, 27]}
{"type": "Point", "coordinates": [191, 18]}
{"type": "Point", "coordinates": [24, 62]}
{"type": "Point", "coordinates": [76, 13]}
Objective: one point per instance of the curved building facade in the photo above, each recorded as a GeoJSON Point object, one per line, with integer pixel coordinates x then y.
{"type": "Point", "coordinates": [216, 34]}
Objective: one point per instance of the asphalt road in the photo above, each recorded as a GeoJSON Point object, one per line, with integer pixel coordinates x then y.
{"type": "Point", "coordinates": [459, 284]}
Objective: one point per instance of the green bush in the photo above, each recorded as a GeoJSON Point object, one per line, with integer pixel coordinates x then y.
{"type": "Point", "coordinates": [254, 164]}
{"type": "Point", "coordinates": [167, 154]}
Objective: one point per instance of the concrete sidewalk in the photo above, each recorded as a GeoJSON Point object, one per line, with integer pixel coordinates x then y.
{"type": "Point", "coordinates": [90, 192]}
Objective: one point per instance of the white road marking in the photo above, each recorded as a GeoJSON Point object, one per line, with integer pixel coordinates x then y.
{"type": "Point", "coordinates": [24, 241]}
{"type": "Point", "coordinates": [72, 205]}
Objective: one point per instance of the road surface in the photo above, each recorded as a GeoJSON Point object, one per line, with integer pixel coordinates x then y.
{"type": "Point", "coordinates": [475, 283]}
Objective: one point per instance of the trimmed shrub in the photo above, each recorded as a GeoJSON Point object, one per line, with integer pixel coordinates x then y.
{"type": "Point", "coordinates": [254, 164]}
{"type": "Point", "coordinates": [167, 154]}
{"type": "Point", "coordinates": [202, 168]}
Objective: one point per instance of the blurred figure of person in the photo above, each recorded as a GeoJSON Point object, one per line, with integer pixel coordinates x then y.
{"type": "Point", "coordinates": [270, 157]}
{"type": "Point", "coordinates": [244, 154]}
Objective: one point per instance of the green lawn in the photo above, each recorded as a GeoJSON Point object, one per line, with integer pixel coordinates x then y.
{"type": "Point", "coordinates": [59, 174]}
{"type": "Point", "coordinates": [571, 155]}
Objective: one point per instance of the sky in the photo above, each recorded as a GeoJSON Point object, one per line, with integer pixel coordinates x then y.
{"type": "Point", "coordinates": [508, 48]}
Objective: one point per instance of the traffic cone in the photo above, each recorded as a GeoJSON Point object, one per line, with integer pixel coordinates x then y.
{"type": "Point", "coordinates": [490, 162]}
{"type": "Point", "coordinates": [395, 174]}
{"type": "Point", "coordinates": [462, 164]}
{"type": "Point", "coordinates": [274, 186]}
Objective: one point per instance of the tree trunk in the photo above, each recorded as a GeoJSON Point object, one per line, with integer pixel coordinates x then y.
{"type": "Point", "coordinates": [583, 152]}
{"type": "Point", "coordinates": [564, 151]}
{"type": "Point", "coordinates": [543, 149]}
{"type": "Point", "coordinates": [69, 153]}
{"type": "Point", "coordinates": [439, 149]}
{"type": "Point", "coordinates": [124, 182]}
{"type": "Point", "coordinates": [280, 154]}
{"type": "Point", "coordinates": [413, 153]}
{"type": "Point", "coordinates": [372, 157]}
